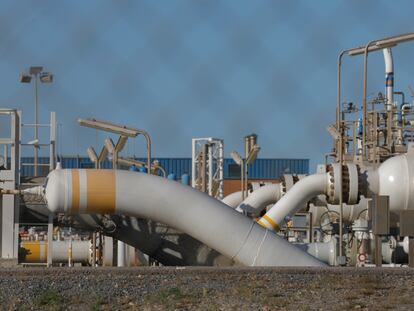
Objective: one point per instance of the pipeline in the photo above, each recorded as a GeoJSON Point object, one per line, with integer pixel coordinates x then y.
{"type": "Point", "coordinates": [393, 178]}
{"type": "Point", "coordinates": [389, 78]}
{"type": "Point", "coordinates": [259, 199]}
{"type": "Point", "coordinates": [197, 214]}
{"type": "Point", "coordinates": [233, 199]}
{"type": "Point", "coordinates": [304, 190]}
{"type": "Point", "coordinates": [36, 251]}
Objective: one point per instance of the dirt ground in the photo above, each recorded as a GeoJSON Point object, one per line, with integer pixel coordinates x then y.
{"type": "Point", "coordinates": [161, 288]}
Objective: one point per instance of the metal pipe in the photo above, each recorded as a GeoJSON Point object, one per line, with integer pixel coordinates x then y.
{"type": "Point", "coordinates": [242, 169]}
{"type": "Point", "coordinates": [304, 190]}
{"type": "Point", "coordinates": [36, 129]}
{"type": "Point", "coordinates": [197, 214]}
{"type": "Point", "coordinates": [233, 199]}
{"type": "Point", "coordinates": [364, 98]}
{"type": "Point", "coordinates": [389, 78]}
{"type": "Point", "coordinates": [257, 201]}
{"type": "Point", "coordinates": [36, 251]}
{"type": "Point", "coordinates": [148, 140]}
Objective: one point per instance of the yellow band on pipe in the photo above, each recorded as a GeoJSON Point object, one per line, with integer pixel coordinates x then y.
{"type": "Point", "coordinates": [274, 225]}
{"type": "Point", "coordinates": [101, 191]}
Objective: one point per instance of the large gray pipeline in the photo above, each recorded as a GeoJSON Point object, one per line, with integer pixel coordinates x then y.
{"type": "Point", "coordinates": [188, 210]}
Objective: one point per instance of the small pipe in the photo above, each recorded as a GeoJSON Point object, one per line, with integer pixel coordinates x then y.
{"type": "Point", "coordinates": [304, 190]}
{"type": "Point", "coordinates": [233, 199]}
{"type": "Point", "coordinates": [259, 199]}
{"type": "Point", "coordinates": [389, 78]}
{"type": "Point", "coordinates": [364, 98]}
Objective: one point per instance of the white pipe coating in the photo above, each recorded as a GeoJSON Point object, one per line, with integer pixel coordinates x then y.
{"type": "Point", "coordinates": [233, 199]}
{"type": "Point", "coordinates": [260, 198]}
{"type": "Point", "coordinates": [304, 190]}
{"type": "Point", "coordinates": [188, 210]}
{"type": "Point", "coordinates": [121, 252]}
{"type": "Point", "coordinates": [389, 78]}
{"type": "Point", "coordinates": [36, 251]}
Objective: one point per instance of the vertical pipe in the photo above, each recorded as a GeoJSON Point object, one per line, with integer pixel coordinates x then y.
{"type": "Point", "coordinates": [389, 78]}
{"type": "Point", "coordinates": [49, 239]}
{"type": "Point", "coordinates": [94, 249]}
{"type": "Point", "coordinates": [52, 146]}
{"type": "Point", "coordinates": [242, 178]}
{"type": "Point", "coordinates": [36, 134]}
{"type": "Point", "coordinates": [210, 169]}
{"type": "Point", "coordinates": [193, 164]}
{"type": "Point", "coordinates": [121, 254]}
{"type": "Point", "coordinates": [246, 172]}
{"type": "Point", "coordinates": [364, 99]}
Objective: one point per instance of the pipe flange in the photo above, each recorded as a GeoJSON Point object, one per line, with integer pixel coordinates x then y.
{"type": "Point", "coordinates": [349, 185]}
{"type": "Point", "coordinates": [333, 184]}
{"type": "Point", "coordinates": [353, 183]}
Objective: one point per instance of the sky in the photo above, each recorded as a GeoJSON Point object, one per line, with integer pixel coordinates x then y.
{"type": "Point", "coordinates": [183, 69]}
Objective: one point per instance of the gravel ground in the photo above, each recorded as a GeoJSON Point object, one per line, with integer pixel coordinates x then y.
{"type": "Point", "coordinates": [160, 288]}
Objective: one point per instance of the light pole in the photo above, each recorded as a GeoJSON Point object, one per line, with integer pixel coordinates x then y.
{"type": "Point", "coordinates": [36, 72]}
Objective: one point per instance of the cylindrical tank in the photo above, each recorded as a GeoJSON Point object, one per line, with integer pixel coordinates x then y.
{"type": "Point", "coordinates": [172, 176]}
{"type": "Point", "coordinates": [396, 180]}
{"type": "Point", "coordinates": [185, 179]}
{"type": "Point", "coordinates": [142, 169]}
{"type": "Point", "coordinates": [36, 251]}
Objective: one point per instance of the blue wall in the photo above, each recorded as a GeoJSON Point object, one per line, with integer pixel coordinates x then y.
{"type": "Point", "coordinates": [260, 169]}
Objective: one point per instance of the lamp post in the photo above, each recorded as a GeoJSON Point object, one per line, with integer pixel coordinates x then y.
{"type": "Point", "coordinates": [37, 73]}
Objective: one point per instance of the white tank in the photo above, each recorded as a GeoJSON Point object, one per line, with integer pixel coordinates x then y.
{"type": "Point", "coordinates": [396, 180]}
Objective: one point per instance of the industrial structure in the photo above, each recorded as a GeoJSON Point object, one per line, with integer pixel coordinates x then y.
{"type": "Point", "coordinates": [356, 210]}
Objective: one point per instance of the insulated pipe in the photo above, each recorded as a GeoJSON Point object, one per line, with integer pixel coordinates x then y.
{"type": "Point", "coordinates": [36, 251]}
{"type": "Point", "coordinates": [304, 190]}
{"type": "Point", "coordinates": [188, 210]}
{"type": "Point", "coordinates": [260, 198]}
{"type": "Point", "coordinates": [389, 78]}
{"type": "Point", "coordinates": [233, 199]}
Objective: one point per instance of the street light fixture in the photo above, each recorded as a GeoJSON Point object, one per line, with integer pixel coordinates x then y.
{"type": "Point", "coordinates": [44, 77]}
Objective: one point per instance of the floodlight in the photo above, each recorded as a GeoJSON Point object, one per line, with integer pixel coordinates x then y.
{"type": "Point", "coordinates": [121, 143]}
{"type": "Point", "coordinates": [46, 77]}
{"type": "Point", "coordinates": [236, 158]}
{"type": "Point", "coordinates": [109, 144]}
{"type": "Point", "coordinates": [25, 78]}
{"type": "Point", "coordinates": [92, 154]}
{"type": "Point", "coordinates": [252, 154]}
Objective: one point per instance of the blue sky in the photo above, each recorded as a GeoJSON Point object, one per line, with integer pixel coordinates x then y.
{"type": "Point", "coordinates": [183, 69]}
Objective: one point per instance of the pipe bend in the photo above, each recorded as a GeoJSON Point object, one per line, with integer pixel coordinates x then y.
{"type": "Point", "coordinates": [259, 199]}
{"type": "Point", "coordinates": [206, 219]}
{"type": "Point", "coordinates": [303, 191]}
{"type": "Point", "coordinates": [233, 199]}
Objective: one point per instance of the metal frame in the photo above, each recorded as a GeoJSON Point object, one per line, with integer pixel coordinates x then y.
{"type": "Point", "coordinates": [10, 179]}
{"type": "Point", "coordinates": [207, 166]}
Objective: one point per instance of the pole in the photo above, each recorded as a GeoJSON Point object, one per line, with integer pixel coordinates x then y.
{"type": "Point", "coordinates": [364, 99]}
{"type": "Point", "coordinates": [36, 134]}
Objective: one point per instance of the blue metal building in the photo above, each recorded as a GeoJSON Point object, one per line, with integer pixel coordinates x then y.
{"type": "Point", "coordinates": [260, 169]}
